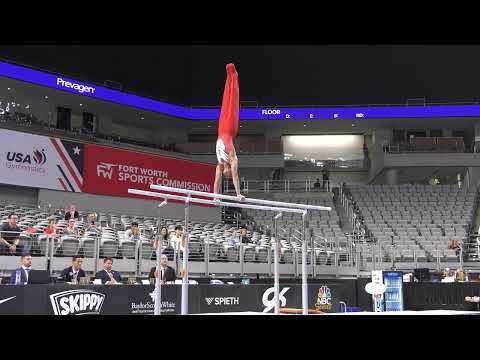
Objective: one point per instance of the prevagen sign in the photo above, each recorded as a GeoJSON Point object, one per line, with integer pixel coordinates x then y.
{"type": "Point", "coordinates": [311, 114]}
{"type": "Point", "coordinates": [78, 87]}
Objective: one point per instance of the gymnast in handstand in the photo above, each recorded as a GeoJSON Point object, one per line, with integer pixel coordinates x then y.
{"type": "Point", "coordinates": [227, 130]}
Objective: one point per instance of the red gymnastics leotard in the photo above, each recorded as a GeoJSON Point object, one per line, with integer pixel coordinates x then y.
{"type": "Point", "coordinates": [228, 123]}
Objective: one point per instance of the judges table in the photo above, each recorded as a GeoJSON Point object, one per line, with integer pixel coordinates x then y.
{"type": "Point", "coordinates": [324, 295]}
{"type": "Point", "coordinates": [65, 299]}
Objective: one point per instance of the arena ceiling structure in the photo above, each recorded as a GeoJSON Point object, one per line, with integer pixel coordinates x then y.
{"type": "Point", "coordinates": [271, 77]}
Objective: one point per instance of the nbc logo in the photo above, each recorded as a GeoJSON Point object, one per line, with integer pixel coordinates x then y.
{"type": "Point", "coordinates": [324, 299]}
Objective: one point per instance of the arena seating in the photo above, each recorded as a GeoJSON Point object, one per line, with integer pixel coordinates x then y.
{"type": "Point", "coordinates": [420, 218]}
{"type": "Point", "coordinates": [324, 227]}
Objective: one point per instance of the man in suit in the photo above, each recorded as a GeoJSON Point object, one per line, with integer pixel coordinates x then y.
{"type": "Point", "coordinates": [107, 275]}
{"type": "Point", "coordinates": [167, 273]}
{"type": "Point", "coordinates": [24, 270]}
{"type": "Point", "coordinates": [73, 273]}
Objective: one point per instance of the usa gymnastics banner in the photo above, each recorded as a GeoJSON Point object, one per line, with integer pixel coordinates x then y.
{"type": "Point", "coordinates": [40, 161]}
{"type": "Point", "coordinates": [111, 171]}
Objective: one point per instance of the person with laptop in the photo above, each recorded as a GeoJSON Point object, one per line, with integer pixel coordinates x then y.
{"type": "Point", "coordinates": [74, 273]}
{"type": "Point", "coordinates": [107, 275]}
{"type": "Point", "coordinates": [20, 275]}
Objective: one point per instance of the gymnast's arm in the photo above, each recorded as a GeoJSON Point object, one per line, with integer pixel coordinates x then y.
{"type": "Point", "coordinates": [236, 181]}
{"type": "Point", "coordinates": [218, 179]}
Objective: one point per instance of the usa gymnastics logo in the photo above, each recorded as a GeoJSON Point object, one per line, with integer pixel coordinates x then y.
{"type": "Point", "coordinates": [38, 157]}
{"type": "Point", "coordinates": [324, 298]}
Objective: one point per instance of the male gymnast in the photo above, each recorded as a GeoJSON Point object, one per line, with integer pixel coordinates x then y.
{"type": "Point", "coordinates": [227, 130]}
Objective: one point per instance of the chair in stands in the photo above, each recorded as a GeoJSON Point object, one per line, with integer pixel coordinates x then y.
{"type": "Point", "coordinates": [321, 257]}
{"type": "Point", "coordinates": [195, 250]}
{"type": "Point", "coordinates": [232, 252]}
{"type": "Point", "coordinates": [261, 254]}
{"type": "Point", "coordinates": [147, 248]}
{"type": "Point", "coordinates": [213, 249]}
{"type": "Point", "coordinates": [40, 245]}
{"type": "Point", "coordinates": [70, 245]}
{"type": "Point", "coordinates": [109, 243]}
{"type": "Point", "coordinates": [127, 247]}
{"type": "Point", "coordinates": [450, 255]}
{"type": "Point", "coordinates": [27, 241]}
{"type": "Point", "coordinates": [286, 255]}
{"type": "Point", "coordinates": [248, 253]}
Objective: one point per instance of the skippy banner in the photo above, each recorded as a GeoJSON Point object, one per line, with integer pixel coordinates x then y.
{"type": "Point", "coordinates": [110, 171]}
{"type": "Point", "coordinates": [50, 163]}
{"type": "Point", "coordinates": [40, 161]}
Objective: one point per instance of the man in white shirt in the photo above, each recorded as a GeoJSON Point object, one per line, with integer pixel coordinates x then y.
{"type": "Point", "coordinates": [176, 240]}
{"type": "Point", "coordinates": [133, 233]}
{"type": "Point", "coordinates": [167, 273]}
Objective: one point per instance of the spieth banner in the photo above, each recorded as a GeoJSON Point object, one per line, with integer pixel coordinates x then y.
{"type": "Point", "coordinates": [110, 171]}
{"type": "Point", "coordinates": [40, 161]}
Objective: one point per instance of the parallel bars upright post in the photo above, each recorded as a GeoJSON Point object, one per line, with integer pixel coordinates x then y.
{"type": "Point", "coordinates": [158, 283]}
{"type": "Point", "coordinates": [294, 208]}
{"type": "Point", "coordinates": [185, 258]}
{"type": "Point", "coordinates": [275, 266]}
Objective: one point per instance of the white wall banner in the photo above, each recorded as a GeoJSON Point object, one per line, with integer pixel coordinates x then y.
{"type": "Point", "coordinates": [40, 161]}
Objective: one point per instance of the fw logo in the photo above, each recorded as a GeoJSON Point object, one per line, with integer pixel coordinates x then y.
{"type": "Point", "coordinates": [105, 170]}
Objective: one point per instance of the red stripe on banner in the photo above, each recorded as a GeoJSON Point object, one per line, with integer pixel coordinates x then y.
{"type": "Point", "coordinates": [63, 184]}
{"type": "Point", "coordinates": [62, 155]}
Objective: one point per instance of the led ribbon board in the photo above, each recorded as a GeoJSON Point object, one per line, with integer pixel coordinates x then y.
{"type": "Point", "coordinates": [98, 92]}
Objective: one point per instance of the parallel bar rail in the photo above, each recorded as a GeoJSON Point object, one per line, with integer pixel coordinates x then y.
{"type": "Point", "coordinates": [235, 198]}
{"type": "Point", "coordinates": [290, 208]}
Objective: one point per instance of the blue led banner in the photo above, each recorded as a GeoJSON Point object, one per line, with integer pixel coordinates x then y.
{"type": "Point", "coordinates": [85, 89]}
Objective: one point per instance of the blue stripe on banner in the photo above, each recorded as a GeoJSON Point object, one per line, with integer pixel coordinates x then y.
{"type": "Point", "coordinates": [65, 177]}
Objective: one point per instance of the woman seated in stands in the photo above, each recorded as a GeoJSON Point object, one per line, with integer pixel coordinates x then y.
{"type": "Point", "coordinates": [455, 245]}
{"type": "Point", "coordinates": [91, 226]}
{"type": "Point", "coordinates": [70, 229]}
{"type": "Point", "coordinates": [51, 229]}
{"type": "Point", "coordinates": [165, 241]}
{"type": "Point", "coordinates": [176, 239]}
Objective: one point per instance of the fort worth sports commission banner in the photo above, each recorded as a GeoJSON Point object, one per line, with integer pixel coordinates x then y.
{"type": "Point", "coordinates": [50, 163]}
{"type": "Point", "coordinates": [40, 161]}
{"type": "Point", "coordinates": [110, 171]}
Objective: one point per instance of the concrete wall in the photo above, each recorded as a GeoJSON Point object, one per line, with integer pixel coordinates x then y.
{"type": "Point", "coordinates": [432, 159]}
{"type": "Point", "coordinates": [377, 159]}
{"type": "Point", "coordinates": [125, 205]}
{"type": "Point", "coordinates": [18, 195]}
{"type": "Point", "coordinates": [336, 177]}
{"type": "Point", "coordinates": [248, 161]}
{"type": "Point", "coordinates": [474, 175]}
